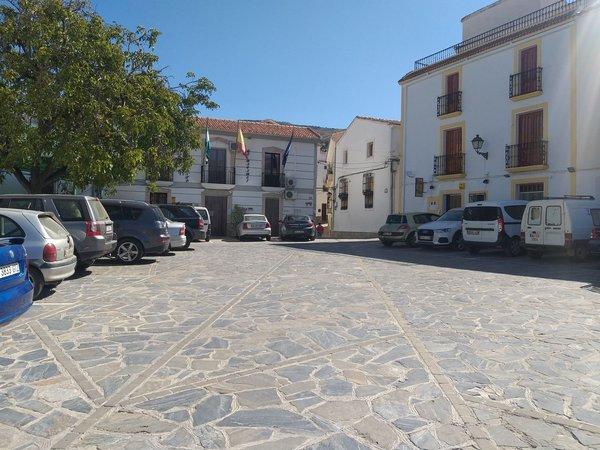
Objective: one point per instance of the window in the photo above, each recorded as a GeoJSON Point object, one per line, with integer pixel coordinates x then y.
{"type": "Point", "coordinates": [98, 210]}
{"type": "Point", "coordinates": [368, 187]}
{"type": "Point", "coordinates": [35, 204]}
{"type": "Point", "coordinates": [69, 210]}
{"type": "Point", "coordinates": [475, 197]}
{"type": "Point", "coordinates": [535, 216]}
{"type": "Point", "coordinates": [9, 228]}
{"type": "Point", "coordinates": [530, 191]}
{"type": "Point", "coordinates": [369, 149]}
{"type": "Point", "coordinates": [158, 198]}
{"type": "Point", "coordinates": [452, 201]}
{"type": "Point", "coordinates": [595, 216]}
{"type": "Point", "coordinates": [54, 229]}
{"type": "Point", "coordinates": [345, 157]}
{"type": "Point", "coordinates": [482, 213]}
{"type": "Point", "coordinates": [343, 194]}
{"type": "Point", "coordinates": [419, 187]}
{"type": "Point", "coordinates": [554, 216]}
{"type": "Point", "coordinates": [114, 211]}
{"type": "Point", "coordinates": [424, 218]}
{"type": "Point", "coordinates": [396, 218]}
{"type": "Point", "coordinates": [515, 211]}
{"type": "Point", "coordinates": [454, 215]}
{"type": "Point", "coordinates": [130, 213]}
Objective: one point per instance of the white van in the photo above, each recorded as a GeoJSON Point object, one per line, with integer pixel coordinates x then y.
{"type": "Point", "coordinates": [493, 224]}
{"type": "Point", "coordinates": [559, 225]}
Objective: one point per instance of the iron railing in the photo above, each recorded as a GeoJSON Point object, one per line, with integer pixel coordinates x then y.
{"type": "Point", "coordinates": [449, 103]}
{"type": "Point", "coordinates": [525, 82]}
{"type": "Point", "coordinates": [217, 175]}
{"type": "Point", "coordinates": [273, 179]}
{"type": "Point", "coordinates": [449, 164]}
{"type": "Point", "coordinates": [554, 12]}
{"type": "Point", "coordinates": [527, 154]}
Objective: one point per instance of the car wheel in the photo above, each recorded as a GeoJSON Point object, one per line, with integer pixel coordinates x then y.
{"type": "Point", "coordinates": [411, 239]}
{"type": "Point", "coordinates": [188, 240]}
{"type": "Point", "coordinates": [282, 238]}
{"type": "Point", "coordinates": [311, 238]}
{"type": "Point", "coordinates": [513, 247]}
{"type": "Point", "coordinates": [37, 279]}
{"type": "Point", "coordinates": [473, 250]}
{"type": "Point", "coordinates": [458, 243]}
{"type": "Point", "coordinates": [268, 238]}
{"type": "Point", "coordinates": [207, 238]}
{"type": "Point", "coordinates": [535, 254]}
{"type": "Point", "coordinates": [387, 243]}
{"type": "Point", "coordinates": [580, 253]}
{"type": "Point", "coordinates": [129, 251]}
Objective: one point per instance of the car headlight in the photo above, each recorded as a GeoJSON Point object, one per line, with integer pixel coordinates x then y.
{"type": "Point", "coordinates": [444, 230]}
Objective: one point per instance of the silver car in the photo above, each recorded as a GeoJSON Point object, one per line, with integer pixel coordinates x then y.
{"type": "Point", "coordinates": [50, 247]}
{"type": "Point", "coordinates": [176, 233]}
{"type": "Point", "coordinates": [254, 225]}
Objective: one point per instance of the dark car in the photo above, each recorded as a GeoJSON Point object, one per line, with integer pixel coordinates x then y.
{"type": "Point", "coordinates": [16, 290]}
{"type": "Point", "coordinates": [84, 218]}
{"type": "Point", "coordinates": [194, 223]}
{"type": "Point", "coordinates": [297, 227]}
{"type": "Point", "coordinates": [141, 229]}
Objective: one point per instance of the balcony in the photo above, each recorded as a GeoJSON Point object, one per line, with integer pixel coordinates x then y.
{"type": "Point", "coordinates": [525, 83]}
{"type": "Point", "coordinates": [449, 165]}
{"type": "Point", "coordinates": [449, 103]}
{"type": "Point", "coordinates": [549, 15]}
{"type": "Point", "coordinates": [527, 156]}
{"type": "Point", "coordinates": [218, 175]}
{"type": "Point", "coordinates": [273, 179]}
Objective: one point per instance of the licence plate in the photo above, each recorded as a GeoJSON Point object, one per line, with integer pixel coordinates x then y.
{"type": "Point", "coordinates": [426, 238]}
{"type": "Point", "coordinates": [109, 228]}
{"type": "Point", "coordinates": [299, 232]}
{"type": "Point", "coordinates": [386, 234]}
{"type": "Point", "coordinates": [473, 232]}
{"type": "Point", "coordinates": [256, 225]}
{"type": "Point", "coordinates": [11, 269]}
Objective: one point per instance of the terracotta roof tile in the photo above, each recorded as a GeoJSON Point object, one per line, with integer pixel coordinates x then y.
{"type": "Point", "coordinates": [377, 119]}
{"type": "Point", "coordinates": [269, 128]}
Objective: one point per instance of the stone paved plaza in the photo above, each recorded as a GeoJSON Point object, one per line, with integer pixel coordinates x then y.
{"type": "Point", "coordinates": [322, 345]}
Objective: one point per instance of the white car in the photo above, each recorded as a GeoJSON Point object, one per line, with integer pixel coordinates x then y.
{"type": "Point", "coordinates": [176, 233]}
{"type": "Point", "coordinates": [206, 216]}
{"type": "Point", "coordinates": [493, 224]}
{"type": "Point", "coordinates": [446, 231]}
{"type": "Point", "coordinates": [254, 225]}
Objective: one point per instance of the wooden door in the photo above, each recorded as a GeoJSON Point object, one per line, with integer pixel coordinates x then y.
{"type": "Point", "coordinates": [453, 149]}
{"type": "Point", "coordinates": [217, 165]}
{"type": "Point", "coordinates": [452, 93]}
{"type": "Point", "coordinates": [272, 213]}
{"type": "Point", "coordinates": [217, 207]}
{"type": "Point", "coordinates": [529, 139]}
{"type": "Point", "coordinates": [528, 70]}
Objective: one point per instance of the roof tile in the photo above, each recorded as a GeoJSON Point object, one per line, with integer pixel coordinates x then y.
{"type": "Point", "coordinates": [258, 128]}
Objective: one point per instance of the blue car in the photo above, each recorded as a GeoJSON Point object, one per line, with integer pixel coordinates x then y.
{"type": "Point", "coordinates": [16, 290]}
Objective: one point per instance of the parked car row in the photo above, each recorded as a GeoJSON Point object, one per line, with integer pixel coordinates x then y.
{"type": "Point", "coordinates": [45, 238]}
{"type": "Point", "coordinates": [570, 224]}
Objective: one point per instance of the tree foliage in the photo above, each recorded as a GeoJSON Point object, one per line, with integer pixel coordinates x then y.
{"type": "Point", "coordinates": [84, 101]}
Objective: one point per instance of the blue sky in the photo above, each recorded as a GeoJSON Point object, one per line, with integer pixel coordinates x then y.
{"type": "Point", "coordinates": [318, 62]}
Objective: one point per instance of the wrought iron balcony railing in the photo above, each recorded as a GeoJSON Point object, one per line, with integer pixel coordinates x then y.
{"type": "Point", "coordinates": [273, 179]}
{"type": "Point", "coordinates": [217, 175]}
{"type": "Point", "coordinates": [449, 103]}
{"type": "Point", "coordinates": [553, 13]}
{"type": "Point", "coordinates": [525, 82]}
{"type": "Point", "coordinates": [449, 164]}
{"type": "Point", "coordinates": [527, 154]}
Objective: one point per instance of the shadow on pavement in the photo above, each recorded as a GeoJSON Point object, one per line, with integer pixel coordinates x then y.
{"type": "Point", "coordinates": [556, 267]}
{"type": "Point", "coordinates": [106, 262]}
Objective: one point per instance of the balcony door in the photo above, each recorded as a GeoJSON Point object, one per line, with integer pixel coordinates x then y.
{"type": "Point", "coordinates": [452, 92]}
{"type": "Point", "coordinates": [453, 151]}
{"type": "Point", "coordinates": [272, 168]}
{"type": "Point", "coordinates": [529, 138]}
{"type": "Point", "coordinates": [528, 61]}
{"type": "Point", "coordinates": [217, 166]}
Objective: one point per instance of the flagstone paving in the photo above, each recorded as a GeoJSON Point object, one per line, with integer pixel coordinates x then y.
{"type": "Point", "coordinates": [322, 345]}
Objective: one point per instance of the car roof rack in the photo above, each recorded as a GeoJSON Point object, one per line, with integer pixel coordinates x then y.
{"type": "Point", "coordinates": [574, 197]}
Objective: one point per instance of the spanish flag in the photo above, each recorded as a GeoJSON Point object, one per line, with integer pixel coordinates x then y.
{"type": "Point", "coordinates": [241, 145]}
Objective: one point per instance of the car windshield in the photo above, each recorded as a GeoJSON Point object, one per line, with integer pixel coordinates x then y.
{"type": "Point", "coordinates": [254, 218]}
{"type": "Point", "coordinates": [184, 211]}
{"type": "Point", "coordinates": [395, 218]}
{"type": "Point", "coordinates": [454, 215]}
{"type": "Point", "coordinates": [203, 213]}
{"type": "Point", "coordinates": [297, 219]}
{"type": "Point", "coordinates": [481, 213]}
{"type": "Point", "coordinates": [98, 210]}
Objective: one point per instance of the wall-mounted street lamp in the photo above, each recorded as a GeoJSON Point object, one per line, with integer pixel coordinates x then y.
{"type": "Point", "coordinates": [477, 143]}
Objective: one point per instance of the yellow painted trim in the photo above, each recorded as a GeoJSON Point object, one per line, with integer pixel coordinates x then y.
{"type": "Point", "coordinates": [516, 112]}
{"type": "Point", "coordinates": [526, 96]}
{"type": "Point", "coordinates": [516, 182]}
{"type": "Point", "coordinates": [573, 108]}
{"type": "Point", "coordinates": [527, 168]}
{"type": "Point", "coordinates": [450, 115]}
{"type": "Point", "coordinates": [454, 176]}
{"type": "Point", "coordinates": [527, 44]}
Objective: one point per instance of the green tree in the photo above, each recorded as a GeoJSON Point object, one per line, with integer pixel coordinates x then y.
{"type": "Point", "coordinates": [84, 101]}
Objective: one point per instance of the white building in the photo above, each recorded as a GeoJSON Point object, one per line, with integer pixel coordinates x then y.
{"type": "Point", "coordinates": [525, 80]}
{"type": "Point", "coordinates": [366, 160]}
{"type": "Point", "coordinates": [222, 184]}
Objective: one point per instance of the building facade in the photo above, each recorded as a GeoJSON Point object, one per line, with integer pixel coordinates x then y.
{"type": "Point", "coordinates": [259, 184]}
{"type": "Point", "coordinates": [522, 88]}
{"type": "Point", "coordinates": [365, 174]}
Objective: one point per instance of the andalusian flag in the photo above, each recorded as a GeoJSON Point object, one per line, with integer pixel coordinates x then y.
{"type": "Point", "coordinates": [241, 145]}
{"type": "Point", "coordinates": [207, 144]}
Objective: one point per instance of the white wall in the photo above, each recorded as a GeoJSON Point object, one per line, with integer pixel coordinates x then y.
{"type": "Point", "coordinates": [488, 111]}
{"type": "Point", "coordinates": [357, 218]}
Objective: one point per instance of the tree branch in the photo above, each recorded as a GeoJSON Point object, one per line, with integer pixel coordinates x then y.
{"type": "Point", "coordinates": [21, 178]}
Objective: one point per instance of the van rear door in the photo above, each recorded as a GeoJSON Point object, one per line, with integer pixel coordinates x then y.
{"type": "Point", "coordinates": [480, 223]}
{"type": "Point", "coordinates": [554, 233]}
{"type": "Point", "coordinates": [532, 225]}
